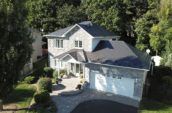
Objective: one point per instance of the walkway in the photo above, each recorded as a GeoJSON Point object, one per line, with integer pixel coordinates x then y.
{"type": "Point", "coordinates": [68, 103]}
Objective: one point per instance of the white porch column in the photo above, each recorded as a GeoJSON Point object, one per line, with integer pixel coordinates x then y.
{"type": "Point", "coordinates": [83, 70]}
{"type": "Point", "coordinates": [75, 68]}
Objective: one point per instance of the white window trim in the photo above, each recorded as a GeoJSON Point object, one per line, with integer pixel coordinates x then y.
{"type": "Point", "coordinates": [61, 43]}
{"type": "Point", "coordinates": [78, 44]}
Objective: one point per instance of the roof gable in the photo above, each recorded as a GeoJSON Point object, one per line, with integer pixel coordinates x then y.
{"type": "Point", "coordinates": [92, 29]}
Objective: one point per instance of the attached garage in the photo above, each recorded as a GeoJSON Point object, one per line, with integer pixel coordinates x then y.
{"type": "Point", "coordinates": [117, 85]}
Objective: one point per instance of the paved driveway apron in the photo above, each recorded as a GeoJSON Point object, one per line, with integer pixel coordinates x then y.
{"type": "Point", "coordinates": [66, 104]}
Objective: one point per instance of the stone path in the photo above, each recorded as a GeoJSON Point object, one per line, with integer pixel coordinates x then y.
{"type": "Point", "coordinates": [68, 103]}
{"type": "Point", "coordinates": [9, 108]}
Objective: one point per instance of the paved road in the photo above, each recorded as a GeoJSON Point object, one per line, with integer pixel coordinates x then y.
{"type": "Point", "coordinates": [103, 106]}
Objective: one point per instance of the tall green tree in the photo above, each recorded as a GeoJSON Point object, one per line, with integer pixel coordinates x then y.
{"type": "Point", "coordinates": [144, 23]}
{"type": "Point", "coordinates": [116, 15]}
{"type": "Point", "coordinates": [142, 28]}
{"type": "Point", "coordinates": [159, 35]}
{"type": "Point", "coordinates": [51, 15]}
{"type": "Point", "coordinates": [15, 43]}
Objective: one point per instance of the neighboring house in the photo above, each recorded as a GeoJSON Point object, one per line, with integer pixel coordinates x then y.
{"type": "Point", "coordinates": [107, 64]}
{"type": "Point", "coordinates": [37, 51]}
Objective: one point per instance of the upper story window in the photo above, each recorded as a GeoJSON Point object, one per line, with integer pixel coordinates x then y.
{"type": "Point", "coordinates": [78, 44]}
{"type": "Point", "coordinates": [59, 43]}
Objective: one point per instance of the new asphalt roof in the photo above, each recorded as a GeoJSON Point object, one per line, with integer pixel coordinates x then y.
{"type": "Point", "coordinates": [92, 28]}
{"type": "Point", "coordinates": [116, 53]}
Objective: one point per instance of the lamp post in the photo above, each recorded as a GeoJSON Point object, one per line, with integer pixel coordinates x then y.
{"type": "Point", "coordinates": [147, 51]}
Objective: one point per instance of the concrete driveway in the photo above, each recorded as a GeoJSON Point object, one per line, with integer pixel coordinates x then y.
{"type": "Point", "coordinates": [67, 104]}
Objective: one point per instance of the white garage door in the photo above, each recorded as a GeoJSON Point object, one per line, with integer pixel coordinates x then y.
{"type": "Point", "coordinates": [122, 86]}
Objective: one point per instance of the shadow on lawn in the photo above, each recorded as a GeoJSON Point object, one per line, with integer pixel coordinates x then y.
{"type": "Point", "coordinates": [153, 105]}
{"type": "Point", "coordinates": [19, 95]}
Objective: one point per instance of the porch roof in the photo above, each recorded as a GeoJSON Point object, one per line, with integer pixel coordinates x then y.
{"type": "Point", "coordinates": [77, 54]}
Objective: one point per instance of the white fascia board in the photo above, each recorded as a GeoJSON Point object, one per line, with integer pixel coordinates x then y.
{"type": "Point", "coordinates": [68, 30]}
{"type": "Point", "coordinates": [118, 66]}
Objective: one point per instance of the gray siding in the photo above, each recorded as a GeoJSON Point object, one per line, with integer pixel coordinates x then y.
{"type": "Point", "coordinates": [138, 76]}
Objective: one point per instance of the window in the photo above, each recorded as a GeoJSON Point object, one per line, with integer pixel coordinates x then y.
{"type": "Point", "coordinates": [59, 43]}
{"type": "Point", "coordinates": [78, 43]}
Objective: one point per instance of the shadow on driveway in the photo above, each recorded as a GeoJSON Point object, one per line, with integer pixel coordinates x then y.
{"type": "Point", "coordinates": [103, 106]}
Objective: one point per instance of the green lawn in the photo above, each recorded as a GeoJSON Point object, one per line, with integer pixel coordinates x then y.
{"type": "Point", "coordinates": [155, 107]}
{"type": "Point", "coordinates": [22, 95]}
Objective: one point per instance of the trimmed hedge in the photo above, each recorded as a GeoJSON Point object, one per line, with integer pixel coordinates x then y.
{"type": "Point", "coordinates": [29, 79]}
{"type": "Point", "coordinates": [55, 75]}
{"type": "Point", "coordinates": [44, 84]}
{"type": "Point", "coordinates": [48, 71]}
{"type": "Point", "coordinates": [42, 97]}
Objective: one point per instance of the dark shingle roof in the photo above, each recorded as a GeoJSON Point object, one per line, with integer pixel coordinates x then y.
{"type": "Point", "coordinates": [92, 28]}
{"type": "Point", "coordinates": [119, 53]}
{"type": "Point", "coordinates": [59, 32]}
{"type": "Point", "coordinates": [112, 53]}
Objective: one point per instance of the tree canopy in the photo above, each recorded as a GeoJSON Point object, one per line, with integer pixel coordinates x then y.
{"type": "Point", "coordinates": [15, 43]}
{"type": "Point", "coordinates": [51, 15]}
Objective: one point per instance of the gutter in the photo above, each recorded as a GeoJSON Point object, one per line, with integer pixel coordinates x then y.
{"type": "Point", "coordinates": [119, 66]}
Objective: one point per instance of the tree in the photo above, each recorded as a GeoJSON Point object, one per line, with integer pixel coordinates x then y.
{"type": "Point", "coordinates": [51, 15]}
{"type": "Point", "coordinates": [144, 23]}
{"type": "Point", "coordinates": [117, 16]}
{"type": "Point", "coordinates": [161, 31]}
{"type": "Point", "coordinates": [105, 13]}
{"type": "Point", "coordinates": [143, 27]}
{"type": "Point", "coordinates": [15, 43]}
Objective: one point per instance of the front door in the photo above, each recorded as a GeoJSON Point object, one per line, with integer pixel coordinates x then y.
{"type": "Point", "coordinates": [77, 69]}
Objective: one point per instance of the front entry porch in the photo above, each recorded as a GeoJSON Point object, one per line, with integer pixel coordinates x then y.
{"type": "Point", "coordinates": [75, 68]}
{"type": "Point", "coordinates": [71, 65]}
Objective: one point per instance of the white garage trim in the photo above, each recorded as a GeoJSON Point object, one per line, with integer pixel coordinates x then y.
{"type": "Point", "coordinates": [120, 86]}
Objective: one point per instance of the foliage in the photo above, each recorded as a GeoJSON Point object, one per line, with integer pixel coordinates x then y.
{"type": "Point", "coordinates": [15, 43]}
{"type": "Point", "coordinates": [29, 79]}
{"type": "Point", "coordinates": [63, 72]}
{"type": "Point", "coordinates": [155, 107]}
{"type": "Point", "coordinates": [161, 84]}
{"type": "Point", "coordinates": [143, 27]}
{"type": "Point", "coordinates": [39, 67]}
{"type": "Point", "coordinates": [42, 97]}
{"type": "Point", "coordinates": [48, 71]}
{"type": "Point", "coordinates": [160, 32]}
{"type": "Point", "coordinates": [44, 84]}
{"type": "Point", "coordinates": [21, 95]}
{"type": "Point", "coordinates": [53, 14]}
{"type": "Point", "coordinates": [117, 16]}
{"type": "Point", "coordinates": [55, 75]}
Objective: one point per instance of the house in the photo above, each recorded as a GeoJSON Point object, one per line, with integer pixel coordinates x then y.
{"type": "Point", "coordinates": [38, 51]}
{"type": "Point", "coordinates": [88, 50]}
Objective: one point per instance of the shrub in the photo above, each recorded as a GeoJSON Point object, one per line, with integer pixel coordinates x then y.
{"type": "Point", "coordinates": [55, 75]}
{"type": "Point", "coordinates": [167, 80]}
{"type": "Point", "coordinates": [44, 84]}
{"type": "Point", "coordinates": [29, 79]}
{"type": "Point", "coordinates": [48, 71]}
{"type": "Point", "coordinates": [62, 72]}
{"type": "Point", "coordinates": [42, 97]}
